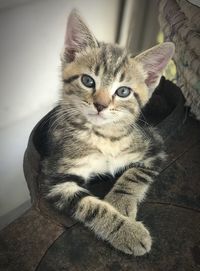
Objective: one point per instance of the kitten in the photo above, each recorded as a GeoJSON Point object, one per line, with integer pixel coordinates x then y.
{"type": "Point", "coordinates": [95, 132]}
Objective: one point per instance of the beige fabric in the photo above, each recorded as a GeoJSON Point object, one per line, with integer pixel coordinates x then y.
{"type": "Point", "coordinates": [180, 22]}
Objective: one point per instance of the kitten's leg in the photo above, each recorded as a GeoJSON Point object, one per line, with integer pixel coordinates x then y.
{"type": "Point", "coordinates": [129, 236]}
{"type": "Point", "coordinates": [130, 189]}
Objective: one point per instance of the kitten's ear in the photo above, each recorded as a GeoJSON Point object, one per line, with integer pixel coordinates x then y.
{"type": "Point", "coordinates": [154, 62]}
{"type": "Point", "coordinates": [77, 38]}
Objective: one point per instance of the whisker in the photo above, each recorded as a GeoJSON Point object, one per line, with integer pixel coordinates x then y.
{"type": "Point", "coordinates": [51, 115]}
{"type": "Point", "coordinates": [145, 122]}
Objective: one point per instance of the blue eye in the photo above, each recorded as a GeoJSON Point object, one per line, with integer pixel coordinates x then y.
{"type": "Point", "coordinates": [123, 92]}
{"type": "Point", "coordinates": [87, 81]}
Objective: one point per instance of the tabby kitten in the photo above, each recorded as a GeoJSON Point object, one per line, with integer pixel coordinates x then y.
{"type": "Point", "coordinates": [95, 132]}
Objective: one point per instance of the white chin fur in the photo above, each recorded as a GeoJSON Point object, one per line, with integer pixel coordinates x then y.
{"type": "Point", "coordinates": [98, 119]}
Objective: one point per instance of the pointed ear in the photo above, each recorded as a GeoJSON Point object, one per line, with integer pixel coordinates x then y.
{"type": "Point", "coordinates": [154, 62]}
{"type": "Point", "coordinates": [77, 38]}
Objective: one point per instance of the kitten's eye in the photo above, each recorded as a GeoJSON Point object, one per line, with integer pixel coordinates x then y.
{"type": "Point", "coordinates": [87, 81]}
{"type": "Point", "coordinates": [123, 92]}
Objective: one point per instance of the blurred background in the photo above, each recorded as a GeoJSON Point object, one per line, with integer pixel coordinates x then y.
{"type": "Point", "coordinates": [31, 39]}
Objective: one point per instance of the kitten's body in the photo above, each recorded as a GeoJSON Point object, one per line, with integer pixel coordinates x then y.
{"type": "Point", "coordinates": [98, 152]}
{"type": "Point", "coordinates": [95, 132]}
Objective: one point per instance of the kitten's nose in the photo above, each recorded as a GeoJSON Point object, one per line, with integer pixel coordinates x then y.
{"type": "Point", "coordinates": [99, 107]}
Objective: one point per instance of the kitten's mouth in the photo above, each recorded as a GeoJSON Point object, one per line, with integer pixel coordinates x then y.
{"type": "Point", "coordinates": [97, 118]}
{"type": "Point", "coordinates": [97, 115]}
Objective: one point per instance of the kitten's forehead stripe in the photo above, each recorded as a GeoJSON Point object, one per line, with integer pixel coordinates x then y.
{"type": "Point", "coordinates": [97, 68]}
{"type": "Point", "coordinates": [122, 76]}
{"type": "Point", "coordinates": [113, 59]}
{"type": "Point", "coordinates": [122, 63]}
{"type": "Point", "coordinates": [103, 59]}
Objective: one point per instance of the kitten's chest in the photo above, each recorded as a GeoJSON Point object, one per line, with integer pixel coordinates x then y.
{"type": "Point", "coordinates": [98, 164]}
{"type": "Point", "coordinates": [109, 157]}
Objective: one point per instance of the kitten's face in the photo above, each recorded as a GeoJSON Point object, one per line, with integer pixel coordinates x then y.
{"type": "Point", "coordinates": [102, 83]}
{"type": "Point", "coordinates": [105, 85]}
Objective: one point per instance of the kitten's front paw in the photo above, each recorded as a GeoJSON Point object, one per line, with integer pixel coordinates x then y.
{"type": "Point", "coordinates": [126, 207]}
{"type": "Point", "coordinates": [132, 238]}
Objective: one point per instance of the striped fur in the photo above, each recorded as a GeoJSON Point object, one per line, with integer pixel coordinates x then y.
{"type": "Point", "coordinates": [84, 143]}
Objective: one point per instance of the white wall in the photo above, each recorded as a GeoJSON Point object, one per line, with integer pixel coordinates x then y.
{"type": "Point", "coordinates": [31, 38]}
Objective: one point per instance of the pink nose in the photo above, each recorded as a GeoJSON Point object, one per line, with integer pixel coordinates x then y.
{"type": "Point", "coordinates": [99, 107]}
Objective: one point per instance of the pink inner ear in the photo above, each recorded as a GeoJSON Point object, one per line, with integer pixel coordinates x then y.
{"type": "Point", "coordinates": [155, 69]}
{"type": "Point", "coordinates": [77, 37]}
{"type": "Point", "coordinates": [70, 54]}
{"type": "Point", "coordinates": [151, 78]}
{"type": "Point", "coordinates": [71, 45]}
{"type": "Point", "coordinates": [73, 38]}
